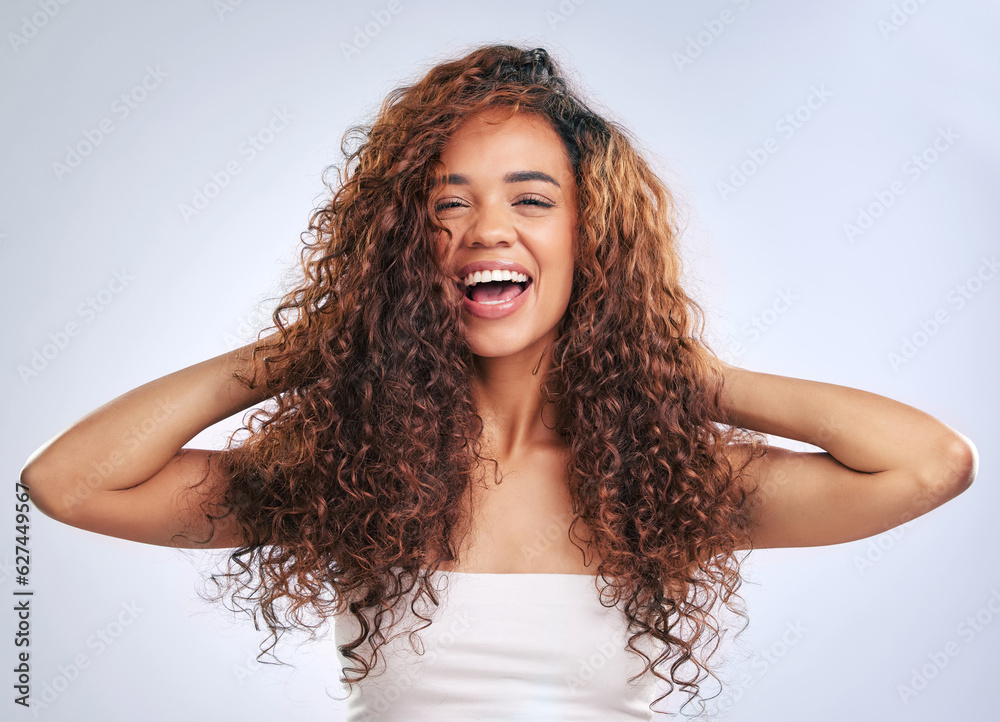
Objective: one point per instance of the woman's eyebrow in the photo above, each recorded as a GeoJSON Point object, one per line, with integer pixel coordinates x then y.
{"type": "Point", "coordinates": [529, 175]}
{"type": "Point", "coordinates": [518, 176]}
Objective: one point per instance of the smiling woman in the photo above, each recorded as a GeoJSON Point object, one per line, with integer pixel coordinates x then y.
{"type": "Point", "coordinates": [507, 201]}
{"type": "Point", "coordinates": [495, 280]}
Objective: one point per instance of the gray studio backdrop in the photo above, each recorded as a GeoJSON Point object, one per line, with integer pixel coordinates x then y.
{"type": "Point", "coordinates": [836, 170]}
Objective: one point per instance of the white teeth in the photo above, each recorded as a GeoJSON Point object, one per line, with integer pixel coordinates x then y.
{"type": "Point", "coordinates": [482, 276]}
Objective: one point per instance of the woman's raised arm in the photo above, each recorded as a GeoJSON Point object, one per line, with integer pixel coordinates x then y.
{"type": "Point", "coordinates": [885, 463]}
{"type": "Point", "coordinates": [121, 469]}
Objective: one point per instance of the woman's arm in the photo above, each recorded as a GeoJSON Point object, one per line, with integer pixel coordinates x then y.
{"type": "Point", "coordinates": [120, 470]}
{"type": "Point", "coordinates": [885, 462]}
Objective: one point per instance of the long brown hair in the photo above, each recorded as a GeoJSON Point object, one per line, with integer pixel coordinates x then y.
{"type": "Point", "coordinates": [345, 486]}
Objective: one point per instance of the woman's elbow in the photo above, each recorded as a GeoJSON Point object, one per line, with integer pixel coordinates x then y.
{"type": "Point", "coordinates": [956, 467]}
{"type": "Point", "coordinates": [41, 493]}
{"type": "Point", "coordinates": [966, 462]}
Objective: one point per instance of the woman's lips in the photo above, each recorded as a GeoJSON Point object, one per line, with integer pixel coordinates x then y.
{"type": "Point", "coordinates": [497, 310]}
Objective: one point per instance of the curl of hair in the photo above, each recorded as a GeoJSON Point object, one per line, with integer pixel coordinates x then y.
{"type": "Point", "coordinates": [351, 488]}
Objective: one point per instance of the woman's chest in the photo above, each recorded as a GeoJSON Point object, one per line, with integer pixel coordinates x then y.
{"type": "Point", "coordinates": [522, 525]}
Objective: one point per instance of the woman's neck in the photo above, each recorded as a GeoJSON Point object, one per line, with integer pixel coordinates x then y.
{"type": "Point", "coordinates": [508, 398]}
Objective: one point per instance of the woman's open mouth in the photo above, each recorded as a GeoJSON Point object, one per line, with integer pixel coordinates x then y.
{"type": "Point", "coordinates": [490, 292]}
{"type": "Point", "coordinates": [494, 299]}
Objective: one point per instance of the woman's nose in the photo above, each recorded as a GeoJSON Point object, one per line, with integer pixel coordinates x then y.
{"type": "Point", "coordinates": [491, 226]}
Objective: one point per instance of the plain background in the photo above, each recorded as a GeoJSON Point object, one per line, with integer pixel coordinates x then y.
{"type": "Point", "coordinates": [823, 105]}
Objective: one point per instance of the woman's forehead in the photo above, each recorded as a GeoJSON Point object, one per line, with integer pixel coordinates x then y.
{"type": "Point", "coordinates": [506, 139]}
{"type": "Point", "coordinates": [502, 121]}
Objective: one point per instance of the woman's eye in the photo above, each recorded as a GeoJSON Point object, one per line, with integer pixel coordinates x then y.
{"type": "Point", "coordinates": [445, 205]}
{"type": "Point", "coordinates": [528, 200]}
{"type": "Point", "coordinates": [535, 201]}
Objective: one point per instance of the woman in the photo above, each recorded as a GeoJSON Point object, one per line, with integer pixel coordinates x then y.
{"type": "Point", "coordinates": [494, 285]}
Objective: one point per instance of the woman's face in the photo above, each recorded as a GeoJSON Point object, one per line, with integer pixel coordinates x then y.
{"type": "Point", "coordinates": [507, 194]}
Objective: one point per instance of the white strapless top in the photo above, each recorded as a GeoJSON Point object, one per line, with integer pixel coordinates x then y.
{"type": "Point", "coordinates": [506, 647]}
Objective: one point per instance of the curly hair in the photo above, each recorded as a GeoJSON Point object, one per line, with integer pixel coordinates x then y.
{"type": "Point", "coordinates": [350, 489]}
